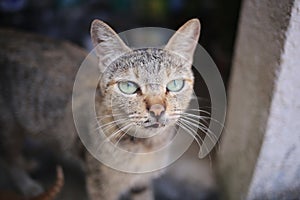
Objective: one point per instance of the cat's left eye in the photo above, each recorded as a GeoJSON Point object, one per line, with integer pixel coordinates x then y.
{"type": "Point", "coordinates": [175, 85]}
{"type": "Point", "coordinates": [128, 87]}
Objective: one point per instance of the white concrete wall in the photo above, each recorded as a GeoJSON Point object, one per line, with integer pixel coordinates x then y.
{"type": "Point", "coordinates": [277, 173]}
{"type": "Point", "coordinates": [256, 89]}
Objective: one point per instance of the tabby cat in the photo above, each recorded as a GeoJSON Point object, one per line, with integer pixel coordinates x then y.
{"type": "Point", "coordinates": [150, 88]}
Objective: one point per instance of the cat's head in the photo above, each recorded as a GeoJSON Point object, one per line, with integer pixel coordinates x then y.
{"type": "Point", "coordinates": [146, 89]}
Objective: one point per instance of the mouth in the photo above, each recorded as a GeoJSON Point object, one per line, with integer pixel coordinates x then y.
{"type": "Point", "coordinates": [153, 125]}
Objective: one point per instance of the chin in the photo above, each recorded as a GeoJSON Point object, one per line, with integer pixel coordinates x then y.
{"type": "Point", "coordinates": [146, 132]}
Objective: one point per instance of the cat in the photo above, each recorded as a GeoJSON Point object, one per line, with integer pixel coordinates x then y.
{"type": "Point", "coordinates": [153, 86]}
{"type": "Point", "coordinates": [36, 80]}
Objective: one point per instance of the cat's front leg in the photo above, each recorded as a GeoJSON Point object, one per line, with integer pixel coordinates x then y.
{"type": "Point", "coordinates": [104, 183]}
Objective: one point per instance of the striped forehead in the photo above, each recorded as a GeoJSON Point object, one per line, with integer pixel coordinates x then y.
{"type": "Point", "coordinates": [150, 61]}
{"type": "Point", "coordinates": [146, 66]}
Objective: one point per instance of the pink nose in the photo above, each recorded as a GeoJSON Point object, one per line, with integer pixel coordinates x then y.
{"type": "Point", "coordinates": [157, 110]}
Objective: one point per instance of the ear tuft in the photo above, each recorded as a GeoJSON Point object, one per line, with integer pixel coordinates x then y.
{"type": "Point", "coordinates": [185, 40]}
{"type": "Point", "coordinates": [108, 44]}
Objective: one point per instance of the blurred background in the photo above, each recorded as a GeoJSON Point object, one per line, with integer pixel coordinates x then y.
{"type": "Point", "coordinates": [70, 20]}
{"type": "Point", "coordinates": [189, 178]}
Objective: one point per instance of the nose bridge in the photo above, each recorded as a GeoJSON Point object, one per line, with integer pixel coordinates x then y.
{"type": "Point", "coordinates": [154, 89]}
{"type": "Point", "coordinates": [155, 99]}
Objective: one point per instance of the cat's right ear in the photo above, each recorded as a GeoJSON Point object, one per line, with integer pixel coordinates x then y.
{"type": "Point", "coordinates": [108, 44]}
{"type": "Point", "coordinates": [185, 40]}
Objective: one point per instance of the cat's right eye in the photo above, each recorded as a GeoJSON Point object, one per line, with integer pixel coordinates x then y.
{"type": "Point", "coordinates": [128, 87]}
{"type": "Point", "coordinates": [175, 85]}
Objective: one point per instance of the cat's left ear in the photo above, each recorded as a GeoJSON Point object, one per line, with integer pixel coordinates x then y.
{"type": "Point", "coordinates": [108, 44]}
{"type": "Point", "coordinates": [185, 40]}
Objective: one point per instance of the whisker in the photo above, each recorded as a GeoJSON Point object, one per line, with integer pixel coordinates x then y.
{"type": "Point", "coordinates": [185, 111]}
{"type": "Point", "coordinates": [196, 116]}
{"type": "Point", "coordinates": [114, 134]}
{"type": "Point", "coordinates": [100, 118]}
{"type": "Point", "coordinates": [107, 127]}
{"type": "Point", "coordinates": [106, 124]}
{"type": "Point", "coordinates": [206, 130]}
{"type": "Point", "coordinates": [212, 119]}
{"type": "Point", "coordinates": [198, 141]}
{"type": "Point", "coordinates": [195, 136]}
{"type": "Point", "coordinates": [205, 117]}
{"type": "Point", "coordinates": [130, 127]}
{"type": "Point", "coordinates": [136, 115]}
{"type": "Point", "coordinates": [109, 115]}
{"type": "Point", "coordinates": [196, 126]}
{"type": "Point", "coordinates": [201, 118]}
{"type": "Point", "coordinates": [198, 122]}
{"type": "Point", "coordinates": [181, 125]}
{"type": "Point", "coordinates": [199, 110]}
{"type": "Point", "coordinates": [120, 130]}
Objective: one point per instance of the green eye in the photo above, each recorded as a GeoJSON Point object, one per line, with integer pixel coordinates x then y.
{"type": "Point", "coordinates": [175, 85]}
{"type": "Point", "coordinates": [128, 87]}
